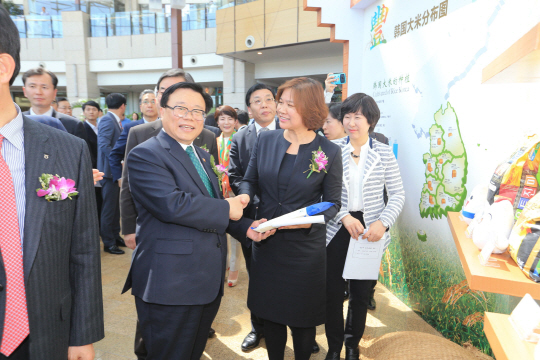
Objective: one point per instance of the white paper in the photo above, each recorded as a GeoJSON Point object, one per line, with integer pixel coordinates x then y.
{"type": "Point", "coordinates": [526, 319]}
{"type": "Point", "coordinates": [275, 223]}
{"type": "Point", "coordinates": [363, 259]}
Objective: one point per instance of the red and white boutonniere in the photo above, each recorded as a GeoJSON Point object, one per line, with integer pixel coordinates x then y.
{"type": "Point", "coordinates": [56, 188]}
{"type": "Point", "coordinates": [318, 162]}
{"type": "Point", "coordinates": [219, 170]}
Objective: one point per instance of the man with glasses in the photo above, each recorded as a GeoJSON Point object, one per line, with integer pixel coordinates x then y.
{"type": "Point", "coordinates": [63, 106]}
{"type": "Point", "coordinates": [178, 268]}
{"type": "Point", "coordinates": [149, 110]}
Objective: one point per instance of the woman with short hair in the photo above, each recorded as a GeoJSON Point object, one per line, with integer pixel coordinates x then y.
{"type": "Point", "coordinates": [292, 168]}
{"type": "Point", "coordinates": [368, 166]}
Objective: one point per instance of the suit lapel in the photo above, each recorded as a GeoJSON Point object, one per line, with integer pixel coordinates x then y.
{"type": "Point", "coordinates": [40, 158]}
{"type": "Point", "coordinates": [180, 154]}
{"type": "Point", "coordinates": [251, 136]}
{"type": "Point", "coordinates": [372, 159]}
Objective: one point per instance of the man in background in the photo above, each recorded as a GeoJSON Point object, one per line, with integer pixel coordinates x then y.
{"type": "Point", "coordinates": [109, 129]}
{"type": "Point", "coordinates": [40, 87]}
{"type": "Point", "coordinates": [63, 106]}
{"type": "Point", "coordinates": [90, 111]}
{"type": "Point", "coordinates": [149, 110]}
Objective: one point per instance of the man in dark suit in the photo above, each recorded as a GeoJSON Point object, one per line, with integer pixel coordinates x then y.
{"type": "Point", "coordinates": [149, 111]}
{"type": "Point", "coordinates": [261, 107]}
{"type": "Point", "coordinates": [40, 89]}
{"type": "Point", "coordinates": [52, 307]}
{"type": "Point", "coordinates": [109, 129]}
{"type": "Point", "coordinates": [91, 110]}
{"type": "Point", "coordinates": [178, 268]}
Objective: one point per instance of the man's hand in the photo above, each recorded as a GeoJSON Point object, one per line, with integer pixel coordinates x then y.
{"type": "Point", "coordinates": [353, 226]}
{"type": "Point", "coordinates": [244, 199]}
{"type": "Point", "coordinates": [257, 236]}
{"type": "Point", "coordinates": [120, 183]}
{"type": "Point", "coordinates": [129, 239]}
{"type": "Point", "coordinates": [85, 352]}
{"type": "Point", "coordinates": [328, 83]}
{"type": "Point", "coordinates": [237, 206]}
{"type": "Point", "coordinates": [97, 175]}
{"type": "Point", "coordinates": [375, 231]}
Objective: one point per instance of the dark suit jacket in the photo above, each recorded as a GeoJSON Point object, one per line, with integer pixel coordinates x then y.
{"type": "Point", "coordinates": [242, 144]}
{"type": "Point", "coordinates": [108, 134]}
{"type": "Point", "coordinates": [61, 252]}
{"type": "Point", "coordinates": [261, 179]}
{"type": "Point", "coordinates": [213, 129]}
{"type": "Point", "coordinates": [72, 125]}
{"type": "Point", "coordinates": [181, 251]}
{"type": "Point", "coordinates": [92, 141]}
{"type": "Point", "coordinates": [210, 120]}
{"type": "Point", "coordinates": [138, 135]}
{"type": "Point", "coordinates": [119, 150]}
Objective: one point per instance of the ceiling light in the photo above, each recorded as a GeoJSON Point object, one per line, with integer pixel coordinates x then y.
{"type": "Point", "coordinates": [259, 53]}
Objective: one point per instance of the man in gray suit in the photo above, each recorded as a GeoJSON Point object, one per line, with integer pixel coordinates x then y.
{"type": "Point", "coordinates": [109, 129]}
{"type": "Point", "coordinates": [52, 307]}
{"type": "Point", "coordinates": [40, 89]}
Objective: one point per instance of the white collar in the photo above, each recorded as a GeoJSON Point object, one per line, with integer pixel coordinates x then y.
{"type": "Point", "coordinates": [116, 117]}
{"type": "Point", "coordinates": [271, 126]}
{"type": "Point", "coordinates": [47, 113]}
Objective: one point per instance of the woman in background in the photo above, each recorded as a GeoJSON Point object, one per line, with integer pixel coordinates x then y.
{"type": "Point", "coordinates": [368, 165]}
{"type": "Point", "coordinates": [333, 128]}
{"type": "Point", "coordinates": [227, 120]}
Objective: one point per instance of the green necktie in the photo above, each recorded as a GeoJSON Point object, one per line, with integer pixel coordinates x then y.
{"type": "Point", "coordinates": [200, 170]}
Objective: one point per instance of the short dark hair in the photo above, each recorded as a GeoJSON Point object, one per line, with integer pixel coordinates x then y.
{"type": "Point", "coordinates": [209, 103]}
{"type": "Point", "coordinates": [91, 103]}
{"type": "Point", "coordinates": [226, 110]}
{"type": "Point", "coordinates": [40, 71]}
{"type": "Point", "coordinates": [58, 99]}
{"type": "Point", "coordinates": [181, 85]}
{"type": "Point", "coordinates": [175, 73]}
{"type": "Point", "coordinates": [334, 109]}
{"type": "Point", "coordinates": [10, 42]}
{"type": "Point", "coordinates": [115, 101]}
{"type": "Point", "coordinates": [364, 104]}
{"type": "Point", "coordinates": [257, 87]}
{"type": "Point", "coordinates": [144, 92]}
{"type": "Point", "coordinates": [243, 117]}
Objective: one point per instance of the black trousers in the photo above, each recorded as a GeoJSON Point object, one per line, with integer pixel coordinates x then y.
{"type": "Point", "coordinates": [257, 324]}
{"type": "Point", "coordinates": [20, 353]}
{"type": "Point", "coordinates": [337, 331]}
{"type": "Point", "coordinates": [175, 331]}
{"type": "Point", "coordinates": [110, 212]}
{"type": "Point", "coordinates": [276, 340]}
{"type": "Point", "coordinates": [99, 202]}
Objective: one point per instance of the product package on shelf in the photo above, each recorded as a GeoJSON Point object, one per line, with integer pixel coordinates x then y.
{"type": "Point", "coordinates": [517, 178]}
{"type": "Point", "coordinates": [494, 227]}
{"type": "Point", "coordinates": [524, 241]}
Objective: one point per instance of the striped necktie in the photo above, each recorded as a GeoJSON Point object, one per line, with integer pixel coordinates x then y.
{"type": "Point", "coordinates": [200, 170]}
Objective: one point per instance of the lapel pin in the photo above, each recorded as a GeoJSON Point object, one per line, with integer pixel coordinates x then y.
{"type": "Point", "coordinates": [45, 156]}
{"type": "Point", "coordinates": [204, 160]}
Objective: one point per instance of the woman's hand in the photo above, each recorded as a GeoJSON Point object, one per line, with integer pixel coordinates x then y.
{"type": "Point", "coordinates": [257, 236]}
{"type": "Point", "coordinates": [353, 226]}
{"type": "Point", "coordinates": [301, 226]}
{"type": "Point", "coordinates": [375, 231]}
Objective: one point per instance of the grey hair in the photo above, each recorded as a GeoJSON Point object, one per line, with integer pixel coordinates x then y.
{"type": "Point", "coordinates": [175, 73]}
{"type": "Point", "coordinates": [144, 92]}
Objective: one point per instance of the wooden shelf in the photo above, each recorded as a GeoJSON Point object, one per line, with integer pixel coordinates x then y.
{"type": "Point", "coordinates": [506, 279]}
{"type": "Point", "coordinates": [520, 63]}
{"type": "Point", "coordinates": [504, 340]}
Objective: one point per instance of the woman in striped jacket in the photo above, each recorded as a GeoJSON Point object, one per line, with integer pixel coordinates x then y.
{"type": "Point", "coordinates": [368, 166]}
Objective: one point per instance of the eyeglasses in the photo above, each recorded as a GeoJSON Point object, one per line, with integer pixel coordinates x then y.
{"type": "Point", "coordinates": [267, 101]}
{"type": "Point", "coordinates": [146, 102]}
{"type": "Point", "coordinates": [180, 111]}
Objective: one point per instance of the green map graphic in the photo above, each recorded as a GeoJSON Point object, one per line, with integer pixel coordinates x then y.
{"type": "Point", "coordinates": [446, 167]}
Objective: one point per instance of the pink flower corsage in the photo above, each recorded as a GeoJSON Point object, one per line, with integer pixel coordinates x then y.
{"type": "Point", "coordinates": [56, 188]}
{"type": "Point", "coordinates": [318, 162]}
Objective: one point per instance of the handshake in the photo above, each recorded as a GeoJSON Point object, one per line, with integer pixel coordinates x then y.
{"type": "Point", "coordinates": [237, 205]}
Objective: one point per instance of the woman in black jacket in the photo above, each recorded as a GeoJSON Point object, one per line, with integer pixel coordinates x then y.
{"type": "Point", "coordinates": [290, 169]}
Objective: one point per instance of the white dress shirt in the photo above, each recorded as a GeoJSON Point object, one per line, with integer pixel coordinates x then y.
{"type": "Point", "coordinates": [95, 128]}
{"type": "Point", "coordinates": [271, 126]}
{"type": "Point", "coordinates": [184, 146]}
{"type": "Point", "coordinates": [356, 180]}
{"type": "Point", "coordinates": [48, 112]}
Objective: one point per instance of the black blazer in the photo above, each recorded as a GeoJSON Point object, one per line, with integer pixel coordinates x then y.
{"type": "Point", "coordinates": [72, 125]}
{"type": "Point", "coordinates": [242, 145]}
{"type": "Point", "coordinates": [181, 251]}
{"type": "Point", "coordinates": [91, 139]}
{"type": "Point", "coordinates": [261, 179]}
{"type": "Point", "coordinates": [61, 256]}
